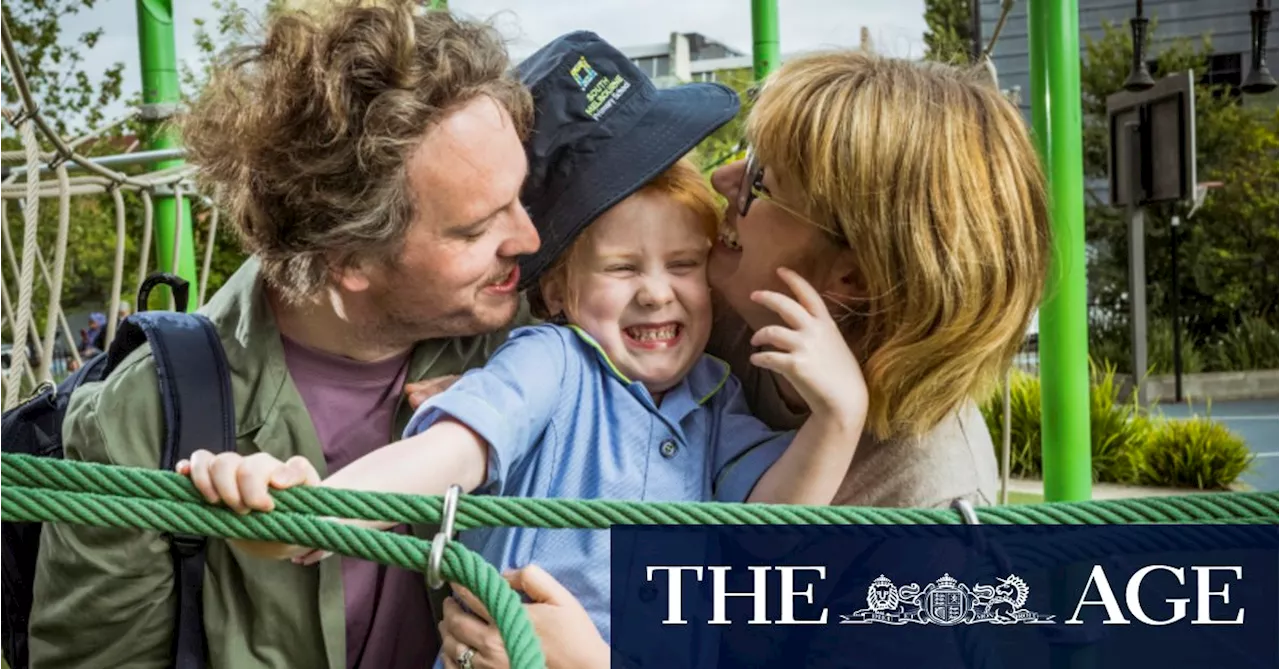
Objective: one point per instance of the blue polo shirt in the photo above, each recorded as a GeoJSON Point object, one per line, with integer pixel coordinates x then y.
{"type": "Point", "coordinates": [562, 421]}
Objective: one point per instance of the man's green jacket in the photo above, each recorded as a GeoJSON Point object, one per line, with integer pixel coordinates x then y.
{"type": "Point", "coordinates": [105, 597]}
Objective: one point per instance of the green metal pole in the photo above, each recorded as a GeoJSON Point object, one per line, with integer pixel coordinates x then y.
{"type": "Point", "coordinates": [766, 54]}
{"type": "Point", "coordinates": [160, 98]}
{"type": "Point", "coordinates": [1053, 36]}
{"type": "Point", "coordinates": [1037, 40]}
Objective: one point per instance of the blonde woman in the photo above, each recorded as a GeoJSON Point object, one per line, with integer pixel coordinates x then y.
{"type": "Point", "coordinates": [909, 194]}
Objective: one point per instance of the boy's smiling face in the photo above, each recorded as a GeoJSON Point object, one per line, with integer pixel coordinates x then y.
{"type": "Point", "coordinates": [638, 286]}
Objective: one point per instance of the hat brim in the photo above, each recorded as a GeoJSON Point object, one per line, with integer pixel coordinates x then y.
{"type": "Point", "coordinates": [679, 119]}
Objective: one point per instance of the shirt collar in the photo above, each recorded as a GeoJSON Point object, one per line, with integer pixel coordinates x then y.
{"type": "Point", "coordinates": [702, 382]}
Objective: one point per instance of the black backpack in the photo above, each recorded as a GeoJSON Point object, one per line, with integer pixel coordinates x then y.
{"type": "Point", "coordinates": [195, 392]}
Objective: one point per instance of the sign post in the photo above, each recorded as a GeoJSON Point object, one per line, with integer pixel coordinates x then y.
{"type": "Point", "coordinates": [1152, 160]}
{"type": "Point", "coordinates": [1137, 263]}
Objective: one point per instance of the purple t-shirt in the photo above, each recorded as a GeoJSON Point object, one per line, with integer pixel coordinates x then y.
{"type": "Point", "coordinates": [352, 404]}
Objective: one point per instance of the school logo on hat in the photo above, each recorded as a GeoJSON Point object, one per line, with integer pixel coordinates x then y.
{"type": "Point", "coordinates": [605, 94]}
{"type": "Point", "coordinates": [582, 73]}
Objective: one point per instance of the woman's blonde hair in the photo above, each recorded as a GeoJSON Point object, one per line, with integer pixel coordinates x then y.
{"type": "Point", "coordinates": [928, 174]}
{"type": "Point", "coordinates": [681, 182]}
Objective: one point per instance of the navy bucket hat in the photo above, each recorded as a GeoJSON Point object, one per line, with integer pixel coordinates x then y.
{"type": "Point", "coordinates": [601, 131]}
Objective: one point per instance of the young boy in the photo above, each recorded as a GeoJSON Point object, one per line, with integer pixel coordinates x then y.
{"type": "Point", "coordinates": [619, 401]}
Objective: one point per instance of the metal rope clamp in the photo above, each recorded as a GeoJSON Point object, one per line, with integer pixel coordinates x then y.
{"type": "Point", "coordinates": [434, 579]}
{"type": "Point", "coordinates": [970, 517]}
{"type": "Point", "coordinates": [1055, 635]}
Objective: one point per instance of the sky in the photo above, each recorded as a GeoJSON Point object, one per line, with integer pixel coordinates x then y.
{"type": "Point", "coordinates": [896, 26]}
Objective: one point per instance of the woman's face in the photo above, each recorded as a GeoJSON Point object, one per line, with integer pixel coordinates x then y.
{"type": "Point", "coordinates": [751, 248]}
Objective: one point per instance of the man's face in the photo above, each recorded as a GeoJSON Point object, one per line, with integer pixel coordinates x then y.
{"type": "Point", "coordinates": [457, 273]}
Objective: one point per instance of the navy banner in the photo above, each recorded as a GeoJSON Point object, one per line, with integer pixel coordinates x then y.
{"type": "Point", "coordinates": [1122, 596]}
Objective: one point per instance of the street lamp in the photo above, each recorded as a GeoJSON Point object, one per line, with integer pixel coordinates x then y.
{"type": "Point", "coordinates": [1139, 76]}
{"type": "Point", "coordinates": [1259, 79]}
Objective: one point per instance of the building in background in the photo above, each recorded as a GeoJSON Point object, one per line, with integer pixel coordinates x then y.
{"type": "Point", "coordinates": [686, 57]}
{"type": "Point", "coordinates": [696, 57]}
{"type": "Point", "coordinates": [1225, 21]}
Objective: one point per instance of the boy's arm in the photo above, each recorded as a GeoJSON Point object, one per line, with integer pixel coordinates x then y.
{"type": "Point", "coordinates": [427, 463]}
{"type": "Point", "coordinates": [756, 464]}
{"type": "Point", "coordinates": [809, 350]}
{"type": "Point", "coordinates": [469, 435]}
{"type": "Point", "coordinates": [811, 470]}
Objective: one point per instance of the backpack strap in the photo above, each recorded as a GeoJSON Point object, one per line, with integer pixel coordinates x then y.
{"type": "Point", "coordinates": [195, 394]}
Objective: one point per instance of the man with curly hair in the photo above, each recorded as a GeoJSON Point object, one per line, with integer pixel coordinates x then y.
{"type": "Point", "coordinates": [372, 163]}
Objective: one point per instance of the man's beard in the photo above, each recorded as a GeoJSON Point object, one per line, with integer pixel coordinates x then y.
{"type": "Point", "coordinates": [390, 323]}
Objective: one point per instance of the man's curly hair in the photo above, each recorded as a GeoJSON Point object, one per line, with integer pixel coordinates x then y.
{"type": "Point", "coordinates": [303, 139]}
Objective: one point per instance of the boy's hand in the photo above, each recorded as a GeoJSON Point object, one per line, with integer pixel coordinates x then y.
{"type": "Point", "coordinates": [420, 391]}
{"type": "Point", "coordinates": [810, 351]}
{"type": "Point", "coordinates": [244, 484]}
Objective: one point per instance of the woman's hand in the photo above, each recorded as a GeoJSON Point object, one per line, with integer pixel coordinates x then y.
{"type": "Point", "coordinates": [810, 351]}
{"type": "Point", "coordinates": [244, 484]}
{"type": "Point", "coordinates": [569, 638]}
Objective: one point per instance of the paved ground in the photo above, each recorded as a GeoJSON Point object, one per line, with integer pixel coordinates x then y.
{"type": "Point", "coordinates": [1257, 421]}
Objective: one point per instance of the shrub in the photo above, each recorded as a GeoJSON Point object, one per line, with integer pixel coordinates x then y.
{"type": "Point", "coordinates": [1192, 453]}
{"type": "Point", "coordinates": [1251, 343]}
{"type": "Point", "coordinates": [1116, 429]}
{"type": "Point", "coordinates": [1024, 422]}
{"type": "Point", "coordinates": [1160, 349]}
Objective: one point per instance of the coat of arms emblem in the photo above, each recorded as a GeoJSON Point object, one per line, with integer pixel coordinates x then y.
{"type": "Point", "coordinates": [946, 601]}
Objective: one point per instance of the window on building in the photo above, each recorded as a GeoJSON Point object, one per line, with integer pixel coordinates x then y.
{"type": "Point", "coordinates": [647, 65]}
{"type": "Point", "coordinates": [661, 66]}
{"type": "Point", "coordinates": [1225, 70]}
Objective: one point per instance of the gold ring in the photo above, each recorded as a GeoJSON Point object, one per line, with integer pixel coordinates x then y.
{"type": "Point", "coordinates": [464, 658]}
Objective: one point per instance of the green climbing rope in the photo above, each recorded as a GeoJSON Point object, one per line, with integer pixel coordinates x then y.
{"type": "Point", "coordinates": [459, 564]}
{"type": "Point", "coordinates": [49, 490]}
{"type": "Point", "coordinates": [487, 511]}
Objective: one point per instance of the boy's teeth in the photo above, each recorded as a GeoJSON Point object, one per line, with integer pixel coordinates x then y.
{"type": "Point", "coordinates": [651, 334]}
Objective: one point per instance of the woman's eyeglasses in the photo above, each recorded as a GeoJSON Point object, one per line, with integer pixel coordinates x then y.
{"type": "Point", "coordinates": [753, 187]}
{"type": "Point", "coordinates": [752, 184]}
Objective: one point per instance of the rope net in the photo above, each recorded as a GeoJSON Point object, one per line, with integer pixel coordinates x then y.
{"type": "Point", "coordinates": [44, 173]}
{"type": "Point", "coordinates": [48, 490]}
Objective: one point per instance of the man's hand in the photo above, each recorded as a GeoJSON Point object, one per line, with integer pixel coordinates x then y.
{"type": "Point", "coordinates": [420, 391]}
{"type": "Point", "coordinates": [569, 639]}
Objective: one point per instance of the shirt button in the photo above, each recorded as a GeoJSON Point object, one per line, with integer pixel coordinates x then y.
{"type": "Point", "coordinates": [668, 449]}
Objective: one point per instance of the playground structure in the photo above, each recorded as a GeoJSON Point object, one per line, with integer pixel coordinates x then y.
{"type": "Point", "coordinates": [167, 193]}
{"type": "Point", "coordinates": [36, 490]}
